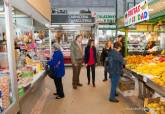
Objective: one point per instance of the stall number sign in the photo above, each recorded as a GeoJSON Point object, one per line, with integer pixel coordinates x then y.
{"type": "Point", "coordinates": [137, 14]}
{"type": "Point", "coordinates": [105, 19]}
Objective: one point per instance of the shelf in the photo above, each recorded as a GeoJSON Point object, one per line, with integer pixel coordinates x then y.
{"type": "Point", "coordinates": [156, 87]}
{"type": "Point", "coordinates": [36, 78]}
{"type": "Point", "coordinates": [159, 89]}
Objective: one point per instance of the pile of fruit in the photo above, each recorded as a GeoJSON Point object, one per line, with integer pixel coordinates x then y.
{"type": "Point", "coordinates": [134, 61]}
{"type": "Point", "coordinates": [157, 108]}
{"type": "Point", "coordinates": [150, 65]}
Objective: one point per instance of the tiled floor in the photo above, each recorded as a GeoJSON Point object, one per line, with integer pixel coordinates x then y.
{"type": "Point", "coordinates": [84, 100]}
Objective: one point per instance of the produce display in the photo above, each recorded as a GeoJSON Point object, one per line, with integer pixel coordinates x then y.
{"type": "Point", "coordinates": [155, 106]}
{"type": "Point", "coordinates": [30, 58]}
{"type": "Point", "coordinates": [5, 92]}
{"type": "Point", "coordinates": [150, 66]}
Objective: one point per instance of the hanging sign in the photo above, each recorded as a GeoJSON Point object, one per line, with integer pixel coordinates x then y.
{"type": "Point", "coordinates": [106, 27]}
{"type": "Point", "coordinates": [72, 19]}
{"type": "Point", "coordinates": [105, 17]}
{"type": "Point", "coordinates": [137, 14]}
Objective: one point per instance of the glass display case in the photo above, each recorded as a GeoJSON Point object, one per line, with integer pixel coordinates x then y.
{"type": "Point", "coordinates": [8, 91]}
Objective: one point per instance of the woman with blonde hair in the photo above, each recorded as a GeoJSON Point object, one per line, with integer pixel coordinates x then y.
{"type": "Point", "coordinates": [104, 57]}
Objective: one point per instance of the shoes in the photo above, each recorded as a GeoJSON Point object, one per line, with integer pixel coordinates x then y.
{"type": "Point", "coordinates": [74, 87]}
{"type": "Point", "coordinates": [79, 85]}
{"type": "Point", "coordinates": [104, 80]}
{"type": "Point", "coordinates": [55, 94]}
{"type": "Point", "coordinates": [94, 85]}
{"type": "Point", "coordinates": [116, 94]}
{"type": "Point", "coordinates": [59, 97]}
{"type": "Point", "coordinates": [114, 100]}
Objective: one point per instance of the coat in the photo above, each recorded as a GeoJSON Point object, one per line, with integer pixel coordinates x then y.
{"type": "Point", "coordinates": [104, 55]}
{"type": "Point", "coordinates": [76, 53]}
{"type": "Point", "coordinates": [57, 64]}
{"type": "Point", "coordinates": [115, 63]}
{"type": "Point", "coordinates": [87, 54]}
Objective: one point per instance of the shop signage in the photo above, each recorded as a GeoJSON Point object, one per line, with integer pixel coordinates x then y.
{"type": "Point", "coordinates": [137, 14]}
{"type": "Point", "coordinates": [106, 27]}
{"type": "Point", "coordinates": [72, 19]}
{"type": "Point", "coordinates": [105, 18]}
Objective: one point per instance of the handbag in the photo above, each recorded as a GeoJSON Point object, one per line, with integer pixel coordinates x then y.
{"type": "Point", "coordinates": [49, 72]}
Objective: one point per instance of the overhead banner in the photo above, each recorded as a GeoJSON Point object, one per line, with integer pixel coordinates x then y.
{"type": "Point", "coordinates": [71, 19]}
{"type": "Point", "coordinates": [105, 17]}
{"type": "Point", "coordinates": [137, 14]}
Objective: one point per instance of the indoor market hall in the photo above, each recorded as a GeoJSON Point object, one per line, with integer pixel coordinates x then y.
{"type": "Point", "coordinates": [82, 56]}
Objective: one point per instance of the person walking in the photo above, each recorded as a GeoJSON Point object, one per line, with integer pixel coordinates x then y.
{"type": "Point", "coordinates": [90, 60]}
{"type": "Point", "coordinates": [115, 66]}
{"type": "Point", "coordinates": [104, 57]}
{"type": "Point", "coordinates": [76, 58]}
{"type": "Point", "coordinates": [57, 67]}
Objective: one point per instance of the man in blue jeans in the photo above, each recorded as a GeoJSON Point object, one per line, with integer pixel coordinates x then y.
{"type": "Point", "coordinates": [115, 66]}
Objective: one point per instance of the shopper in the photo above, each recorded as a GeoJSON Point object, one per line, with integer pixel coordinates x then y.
{"type": "Point", "coordinates": [115, 67]}
{"type": "Point", "coordinates": [76, 58]}
{"type": "Point", "coordinates": [57, 66]}
{"type": "Point", "coordinates": [90, 60]}
{"type": "Point", "coordinates": [120, 39]}
{"type": "Point", "coordinates": [104, 57]}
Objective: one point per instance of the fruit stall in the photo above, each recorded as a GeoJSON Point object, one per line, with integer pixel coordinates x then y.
{"type": "Point", "coordinates": [145, 66]}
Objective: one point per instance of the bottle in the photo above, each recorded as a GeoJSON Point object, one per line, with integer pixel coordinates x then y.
{"type": "Point", "coordinates": [1, 106]}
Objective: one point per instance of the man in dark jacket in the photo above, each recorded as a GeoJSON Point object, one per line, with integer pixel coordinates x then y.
{"type": "Point", "coordinates": [115, 67]}
{"type": "Point", "coordinates": [57, 66]}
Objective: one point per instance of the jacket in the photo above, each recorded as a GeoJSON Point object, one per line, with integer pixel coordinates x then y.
{"type": "Point", "coordinates": [104, 54]}
{"type": "Point", "coordinates": [57, 64]}
{"type": "Point", "coordinates": [87, 54]}
{"type": "Point", "coordinates": [76, 53]}
{"type": "Point", "coordinates": [116, 63]}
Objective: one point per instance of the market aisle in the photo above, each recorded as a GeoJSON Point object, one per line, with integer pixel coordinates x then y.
{"type": "Point", "coordinates": [84, 100]}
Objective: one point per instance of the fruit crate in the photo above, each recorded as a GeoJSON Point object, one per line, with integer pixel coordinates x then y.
{"type": "Point", "coordinates": [154, 106]}
{"type": "Point", "coordinates": [128, 86]}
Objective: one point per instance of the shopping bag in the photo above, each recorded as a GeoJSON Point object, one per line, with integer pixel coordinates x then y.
{"type": "Point", "coordinates": [49, 72]}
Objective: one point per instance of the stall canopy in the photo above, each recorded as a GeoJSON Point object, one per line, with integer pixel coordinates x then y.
{"type": "Point", "coordinates": [40, 12]}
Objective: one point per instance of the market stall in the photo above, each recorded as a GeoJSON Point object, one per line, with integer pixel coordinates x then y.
{"type": "Point", "coordinates": [145, 55]}
{"type": "Point", "coordinates": [22, 55]}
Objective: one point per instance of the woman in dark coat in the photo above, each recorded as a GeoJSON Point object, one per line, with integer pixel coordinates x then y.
{"type": "Point", "coordinates": [104, 57]}
{"type": "Point", "coordinates": [90, 60]}
{"type": "Point", "coordinates": [57, 66]}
